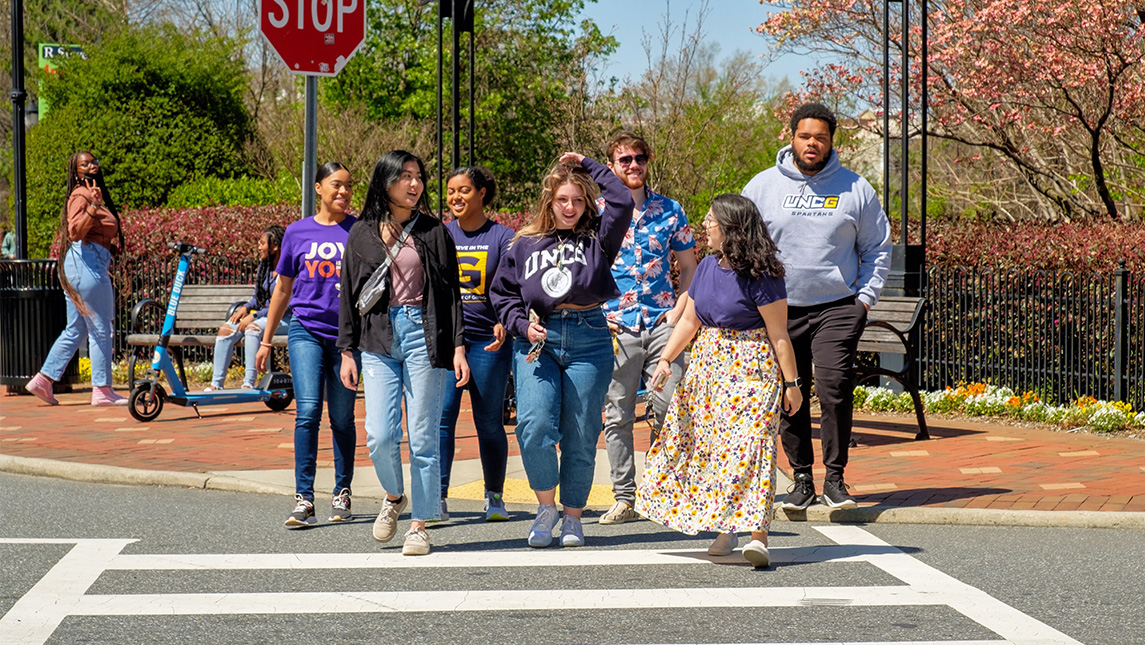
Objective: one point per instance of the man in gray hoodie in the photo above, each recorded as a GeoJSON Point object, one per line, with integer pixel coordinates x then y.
{"type": "Point", "coordinates": [835, 240]}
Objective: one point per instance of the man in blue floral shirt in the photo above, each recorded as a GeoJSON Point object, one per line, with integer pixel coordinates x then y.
{"type": "Point", "coordinates": [644, 315]}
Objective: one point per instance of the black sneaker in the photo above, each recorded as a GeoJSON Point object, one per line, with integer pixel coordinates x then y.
{"type": "Point", "coordinates": [340, 507]}
{"type": "Point", "coordinates": [302, 515]}
{"type": "Point", "coordinates": [801, 494]}
{"type": "Point", "coordinates": [835, 495]}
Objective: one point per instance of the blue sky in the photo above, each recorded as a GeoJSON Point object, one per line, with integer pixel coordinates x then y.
{"type": "Point", "coordinates": [730, 23]}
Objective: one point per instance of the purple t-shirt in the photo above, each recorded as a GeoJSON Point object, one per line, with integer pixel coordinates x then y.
{"type": "Point", "coordinates": [478, 253]}
{"type": "Point", "coordinates": [312, 256]}
{"type": "Point", "coordinates": [727, 300]}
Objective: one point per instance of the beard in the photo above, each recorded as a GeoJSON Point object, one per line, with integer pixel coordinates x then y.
{"type": "Point", "coordinates": [634, 183]}
{"type": "Point", "coordinates": [811, 168]}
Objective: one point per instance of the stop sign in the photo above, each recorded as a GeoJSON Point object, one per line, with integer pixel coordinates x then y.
{"type": "Point", "coordinates": [314, 36]}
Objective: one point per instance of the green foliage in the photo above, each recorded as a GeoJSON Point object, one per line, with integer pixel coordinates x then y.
{"type": "Point", "coordinates": [528, 55]}
{"type": "Point", "coordinates": [159, 108]}
{"type": "Point", "coordinates": [236, 191]}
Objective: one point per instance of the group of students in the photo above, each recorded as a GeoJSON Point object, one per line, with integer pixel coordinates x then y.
{"type": "Point", "coordinates": [418, 310]}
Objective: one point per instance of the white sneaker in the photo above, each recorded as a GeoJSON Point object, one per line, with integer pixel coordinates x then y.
{"type": "Point", "coordinates": [756, 553]}
{"type": "Point", "coordinates": [417, 542]}
{"type": "Point", "coordinates": [541, 533]}
{"type": "Point", "coordinates": [572, 532]}
{"type": "Point", "coordinates": [724, 544]}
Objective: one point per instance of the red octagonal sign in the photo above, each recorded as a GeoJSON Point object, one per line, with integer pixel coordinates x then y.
{"type": "Point", "coordinates": [314, 36]}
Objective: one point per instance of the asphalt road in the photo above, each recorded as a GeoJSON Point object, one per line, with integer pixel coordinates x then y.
{"type": "Point", "coordinates": [334, 583]}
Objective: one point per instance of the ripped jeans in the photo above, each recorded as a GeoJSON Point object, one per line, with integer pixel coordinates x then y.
{"type": "Point", "coordinates": [225, 345]}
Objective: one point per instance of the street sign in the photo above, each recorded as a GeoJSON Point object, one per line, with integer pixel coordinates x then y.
{"type": "Point", "coordinates": [50, 54]}
{"type": "Point", "coordinates": [314, 37]}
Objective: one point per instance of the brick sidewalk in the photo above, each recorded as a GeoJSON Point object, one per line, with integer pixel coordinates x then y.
{"type": "Point", "coordinates": [966, 464]}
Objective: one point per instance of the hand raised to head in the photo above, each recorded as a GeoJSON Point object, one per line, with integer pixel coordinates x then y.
{"type": "Point", "coordinates": [572, 158]}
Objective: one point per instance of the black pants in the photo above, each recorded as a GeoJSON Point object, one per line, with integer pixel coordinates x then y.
{"type": "Point", "coordinates": [824, 336]}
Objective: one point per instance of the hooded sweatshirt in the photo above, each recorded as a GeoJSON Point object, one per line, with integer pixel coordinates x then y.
{"type": "Point", "coordinates": [833, 236]}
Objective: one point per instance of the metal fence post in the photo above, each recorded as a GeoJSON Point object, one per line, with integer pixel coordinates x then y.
{"type": "Point", "coordinates": [1120, 330]}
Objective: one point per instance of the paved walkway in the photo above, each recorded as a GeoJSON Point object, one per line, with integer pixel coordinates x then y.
{"type": "Point", "coordinates": [967, 465]}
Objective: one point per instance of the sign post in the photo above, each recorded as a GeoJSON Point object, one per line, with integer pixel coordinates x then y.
{"type": "Point", "coordinates": [313, 38]}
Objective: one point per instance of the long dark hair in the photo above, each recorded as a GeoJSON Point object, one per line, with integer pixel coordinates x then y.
{"type": "Point", "coordinates": [387, 172]}
{"type": "Point", "coordinates": [748, 247]}
{"type": "Point", "coordinates": [481, 178]}
{"type": "Point", "coordinates": [73, 182]}
{"type": "Point", "coordinates": [273, 235]}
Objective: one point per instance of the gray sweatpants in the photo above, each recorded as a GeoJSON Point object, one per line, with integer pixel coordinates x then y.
{"type": "Point", "coordinates": [635, 362]}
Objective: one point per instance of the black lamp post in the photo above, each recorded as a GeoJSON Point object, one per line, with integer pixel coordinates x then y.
{"type": "Point", "coordinates": [908, 261]}
{"type": "Point", "coordinates": [461, 14]}
{"type": "Point", "coordinates": [18, 97]}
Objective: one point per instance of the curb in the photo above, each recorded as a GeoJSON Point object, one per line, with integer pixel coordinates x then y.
{"type": "Point", "coordinates": [98, 474]}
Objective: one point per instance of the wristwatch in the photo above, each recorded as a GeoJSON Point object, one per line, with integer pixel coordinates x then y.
{"type": "Point", "coordinates": [796, 383]}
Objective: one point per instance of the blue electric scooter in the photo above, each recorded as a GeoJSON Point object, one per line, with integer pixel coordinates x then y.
{"type": "Point", "coordinates": [275, 389]}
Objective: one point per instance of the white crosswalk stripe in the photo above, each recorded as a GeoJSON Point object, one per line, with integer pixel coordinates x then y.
{"type": "Point", "coordinates": [62, 592]}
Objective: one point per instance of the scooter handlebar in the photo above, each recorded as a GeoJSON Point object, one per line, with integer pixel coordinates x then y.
{"type": "Point", "coordinates": [184, 248]}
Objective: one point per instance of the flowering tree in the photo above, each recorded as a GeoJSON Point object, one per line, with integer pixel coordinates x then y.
{"type": "Point", "coordinates": [1051, 92]}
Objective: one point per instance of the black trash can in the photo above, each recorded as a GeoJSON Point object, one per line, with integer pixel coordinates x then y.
{"type": "Point", "coordinates": [32, 314]}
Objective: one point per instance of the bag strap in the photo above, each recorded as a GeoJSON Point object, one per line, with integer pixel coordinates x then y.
{"type": "Point", "coordinates": [380, 272]}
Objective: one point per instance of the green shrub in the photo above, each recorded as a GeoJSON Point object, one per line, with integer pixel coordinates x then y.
{"type": "Point", "coordinates": [157, 107]}
{"type": "Point", "coordinates": [236, 191]}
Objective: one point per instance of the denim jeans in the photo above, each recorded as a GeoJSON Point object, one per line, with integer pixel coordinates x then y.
{"type": "Point", "coordinates": [559, 402]}
{"type": "Point", "coordinates": [406, 372]}
{"type": "Point", "coordinates": [86, 268]}
{"type": "Point", "coordinates": [252, 337]}
{"type": "Point", "coordinates": [314, 368]}
{"type": "Point", "coordinates": [488, 377]}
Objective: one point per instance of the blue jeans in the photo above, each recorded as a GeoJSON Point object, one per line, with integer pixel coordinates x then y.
{"type": "Point", "coordinates": [86, 268]}
{"type": "Point", "coordinates": [488, 377]}
{"type": "Point", "coordinates": [406, 371]}
{"type": "Point", "coordinates": [252, 337]}
{"type": "Point", "coordinates": [559, 401]}
{"type": "Point", "coordinates": [314, 368]}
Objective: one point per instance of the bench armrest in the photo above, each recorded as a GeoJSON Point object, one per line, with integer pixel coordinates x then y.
{"type": "Point", "coordinates": [138, 309]}
{"type": "Point", "coordinates": [891, 328]}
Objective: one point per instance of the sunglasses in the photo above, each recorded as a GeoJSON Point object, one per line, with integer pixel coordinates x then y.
{"type": "Point", "coordinates": [628, 159]}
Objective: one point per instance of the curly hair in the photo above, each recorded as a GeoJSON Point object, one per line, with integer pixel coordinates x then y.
{"type": "Point", "coordinates": [543, 221]}
{"type": "Point", "coordinates": [816, 111]}
{"type": "Point", "coordinates": [747, 247]}
{"type": "Point", "coordinates": [480, 177]}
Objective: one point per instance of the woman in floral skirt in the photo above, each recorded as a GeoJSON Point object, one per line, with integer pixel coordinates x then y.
{"type": "Point", "coordinates": [713, 466]}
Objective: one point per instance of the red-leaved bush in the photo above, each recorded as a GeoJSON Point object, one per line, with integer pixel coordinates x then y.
{"type": "Point", "coordinates": [232, 233]}
{"type": "Point", "coordinates": [1080, 246]}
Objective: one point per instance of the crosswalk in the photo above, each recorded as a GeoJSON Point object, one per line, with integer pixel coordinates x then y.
{"type": "Point", "coordinates": [64, 590]}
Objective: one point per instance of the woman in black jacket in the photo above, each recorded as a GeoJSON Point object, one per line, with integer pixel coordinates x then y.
{"type": "Point", "coordinates": [408, 325]}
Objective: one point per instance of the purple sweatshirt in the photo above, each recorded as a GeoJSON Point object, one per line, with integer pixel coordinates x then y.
{"type": "Point", "coordinates": [564, 268]}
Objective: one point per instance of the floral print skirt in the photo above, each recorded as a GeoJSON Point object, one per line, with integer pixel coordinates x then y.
{"type": "Point", "coordinates": [713, 466]}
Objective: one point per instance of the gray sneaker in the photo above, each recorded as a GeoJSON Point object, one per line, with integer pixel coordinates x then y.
{"type": "Point", "coordinates": [495, 510]}
{"type": "Point", "coordinates": [541, 533]}
{"type": "Point", "coordinates": [417, 542]}
{"type": "Point", "coordinates": [724, 544]}
{"type": "Point", "coordinates": [386, 526]}
{"type": "Point", "coordinates": [572, 533]}
{"type": "Point", "coordinates": [340, 507]}
{"type": "Point", "coordinates": [444, 513]}
{"type": "Point", "coordinates": [302, 515]}
{"type": "Point", "coordinates": [620, 513]}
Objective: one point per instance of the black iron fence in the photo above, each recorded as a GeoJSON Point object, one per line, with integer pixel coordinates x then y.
{"type": "Point", "coordinates": [1060, 335]}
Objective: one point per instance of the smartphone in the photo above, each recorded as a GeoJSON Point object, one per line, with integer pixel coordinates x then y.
{"type": "Point", "coordinates": [660, 381]}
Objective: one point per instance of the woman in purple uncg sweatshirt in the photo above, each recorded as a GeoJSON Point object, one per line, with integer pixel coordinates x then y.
{"type": "Point", "coordinates": [548, 293]}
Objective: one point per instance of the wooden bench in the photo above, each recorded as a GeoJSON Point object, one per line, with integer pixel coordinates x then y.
{"type": "Point", "coordinates": [202, 307]}
{"type": "Point", "coordinates": [893, 328]}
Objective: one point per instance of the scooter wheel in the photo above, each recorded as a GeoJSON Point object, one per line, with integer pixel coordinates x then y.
{"type": "Point", "coordinates": [144, 404]}
{"type": "Point", "coordinates": [280, 403]}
